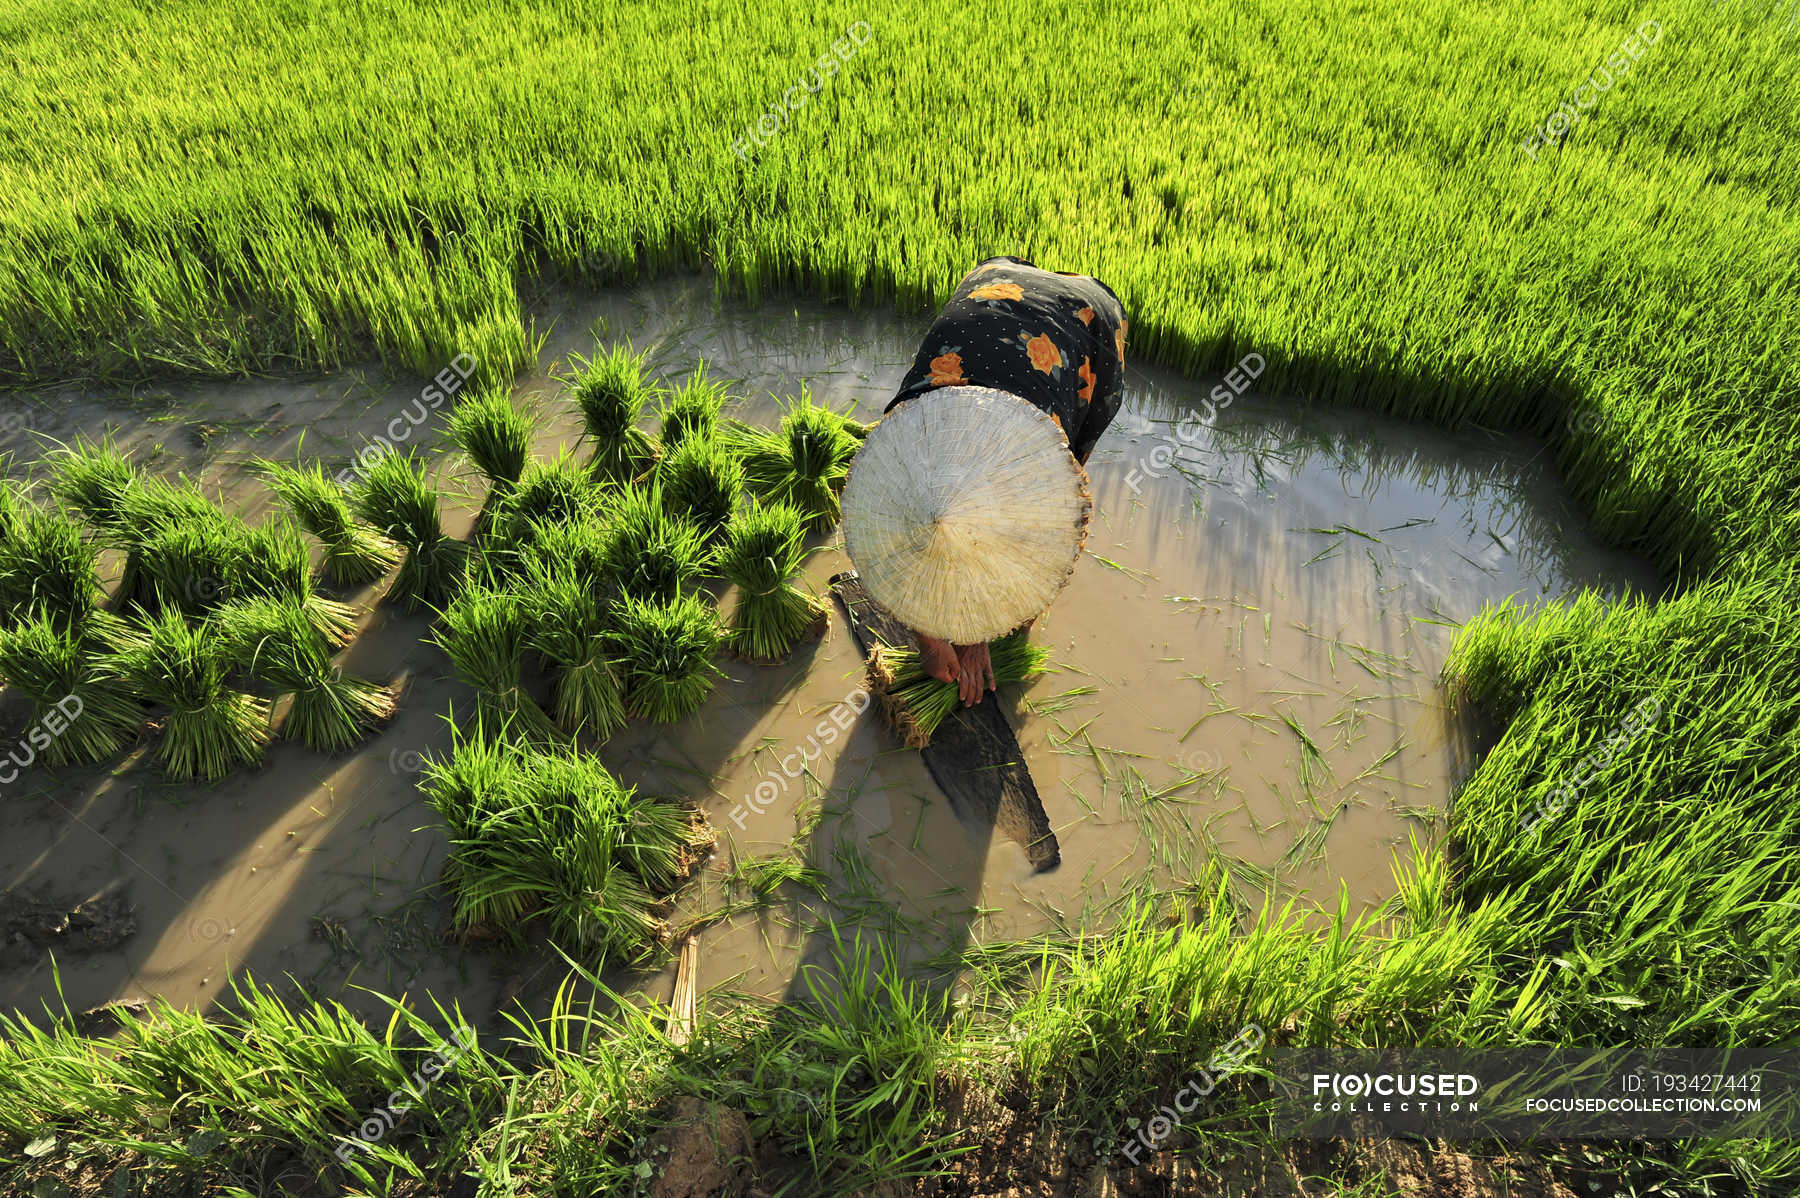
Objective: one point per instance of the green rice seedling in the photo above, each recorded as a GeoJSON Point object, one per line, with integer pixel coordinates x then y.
{"type": "Point", "coordinates": [484, 632]}
{"type": "Point", "coordinates": [210, 728]}
{"type": "Point", "coordinates": [494, 435]}
{"type": "Point", "coordinates": [396, 499]}
{"type": "Point", "coordinates": [276, 642]}
{"type": "Point", "coordinates": [354, 552]}
{"type": "Point", "coordinates": [558, 491]}
{"type": "Point", "coordinates": [569, 623]}
{"type": "Point", "coordinates": [916, 703]}
{"type": "Point", "coordinates": [553, 835]}
{"type": "Point", "coordinates": [144, 511]}
{"type": "Point", "coordinates": [819, 449]}
{"type": "Point", "coordinates": [650, 555]}
{"type": "Point", "coordinates": [666, 651]}
{"type": "Point", "coordinates": [766, 547]}
{"type": "Point", "coordinates": [47, 568]}
{"type": "Point", "coordinates": [611, 392]}
{"type": "Point", "coordinates": [691, 411]}
{"type": "Point", "coordinates": [272, 562]}
{"type": "Point", "coordinates": [92, 480]}
{"type": "Point", "coordinates": [701, 481]}
{"type": "Point", "coordinates": [188, 567]}
{"type": "Point", "coordinates": [579, 546]}
{"type": "Point", "coordinates": [78, 698]}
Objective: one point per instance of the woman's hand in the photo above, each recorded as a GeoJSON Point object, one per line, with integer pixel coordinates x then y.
{"type": "Point", "coordinates": [975, 672]}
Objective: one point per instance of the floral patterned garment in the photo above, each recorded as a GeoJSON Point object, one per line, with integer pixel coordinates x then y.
{"type": "Point", "coordinates": [1056, 340]}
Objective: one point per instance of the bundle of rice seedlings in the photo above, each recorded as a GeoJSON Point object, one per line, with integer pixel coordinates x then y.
{"type": "Point", "coordinates": [484, 633]}
{"type": "Point", "coordinates": [93, 481]}
{"type": "Point", "coordinates": [79, 700]}
{"type": "Point", "coordinates": [272, 563]}
{"type": "Point", "coordinates": [396, 499]}
{"type": "Point", "coordinates": [553, 835]}
{"type": "Point", "coordinates": [46, 568]}
{"type": "Point", "coordinates": [188, 567]}
{"type": "Point", "coordinates": [819, 450]}
{"type": "Point", "coordinates": [495, 436]}
{"type": "Point", "coordinates": [666, 651]}
{"type": "Point", "coordinates": [611, 392]}
{"type": "Point", "coordinates": [211, 728]}
{"type": "Point", "coordinates": [151, 507]}
{"type": "Point", "coordinates": [766, 547]}
{"type": "Point", "coordinates": [579, 546]}
{"type": "Point", "coordinates": [276, 642]}
{"type": "Point", "coordinates": [569, 624]}
{"type": "Point", "coordinates": [916, 703]}
{"type": "Point", "coordinates": [703, 482]}
{"type": "Point", "coordinates": [650, 555]}
{"type": "Point", "coordinates": [354, 553]}
{"type": "Point", "coordinates": [558, 491]}
{"type": "Point", "coordinates": [692, 411]}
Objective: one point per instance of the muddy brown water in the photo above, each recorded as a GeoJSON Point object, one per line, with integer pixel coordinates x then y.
{"type": "Point", "coordinates": [1247, 670]}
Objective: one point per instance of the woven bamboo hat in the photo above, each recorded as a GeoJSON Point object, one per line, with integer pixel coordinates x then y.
{"type": "Point", "coordinates": [965, 512]}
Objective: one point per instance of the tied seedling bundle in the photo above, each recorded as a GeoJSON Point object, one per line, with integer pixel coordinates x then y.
{"type": "Point", "coordinates": [569, 622]}
{"type": "Point", "coordinates": [804, 462]}
{"type": "Point", "coordinates": [916, 703]}
{"type": "Point", "coordinates": [552, 835]}
{"type": "Point", "coordinates": [666, 651]}
{"type": "Point", "coordinates": [484, 634]}
{"type": "Point", "coordinates": [496, 438]}
{"type": "Point", "coordinates": [211, 728]}
{"type": "Point", "coordinates": [271, 563]}
{"type": "Point", "coordinates": [649, 554]}
{"type": "Point", "coordinates": [560, 491]}
{"type": "Point", "coordinates": [702, 482]}
{"type": "Point", "coordinates": [396, 499]}
{"type": "Point", "coordinates": [765, 548]}
{"type": "Point", "coordinates": [692, 412]}
{"type": "Point", "coordinates": [354, 553]}
{"type": "Point", "coordinates": [47, 569]}
{"type": "Point", "coordinates": [77, 697]}
{"type": "Point", "coordinates": [611, 393]}
{"type": "Point", "coordinates": [274, 641]}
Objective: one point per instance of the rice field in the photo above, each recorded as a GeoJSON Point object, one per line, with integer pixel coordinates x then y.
{"type": "Point", "coordinates": [207, 195]}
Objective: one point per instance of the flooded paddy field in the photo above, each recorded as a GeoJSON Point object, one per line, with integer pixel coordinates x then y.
{"type": "Point", "coordinates": [1245, 672]}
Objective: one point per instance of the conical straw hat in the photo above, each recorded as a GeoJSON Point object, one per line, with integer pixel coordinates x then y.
{"type": "Point", "coordinates": [965, 512]}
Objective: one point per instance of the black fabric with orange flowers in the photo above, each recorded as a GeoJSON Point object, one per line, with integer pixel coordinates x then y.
{"type": "Point", "coordinates": [1055, 340]}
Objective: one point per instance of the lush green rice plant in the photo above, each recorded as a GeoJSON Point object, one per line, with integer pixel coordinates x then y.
{"type": "Point", "coordinates": [92, 480]}
{"type": "Point", "coordinates": [649, 554]}
{"type": "Point", "coordinates": [766, 547]}
{"type": "Point", "coordinates": [272, 562]}
{"type": "Point", "coordinates": [611, 392]}
{"type": "Point", "coordinates": [77, 697]}
{"type": "Point", "coordinates": [395, 497]}
{"type": "Point", "coordinates": [494, 435]}
{"type": "Point", "coordinates": [559, 491]}
{"type": "Point", "coordinates": [276, 642]}
{"type": "Point", "coordinates": [188, 567]}
{"type": "Point", "coordinates": [580, 546]}
{"type": "Point", "coordinates": [804, 462]}
{"type": "Point", "coordinates": [484, 632]}
{"type": "Point", "coordinates": [46, 568]}
{"type": "Point", "coordinates": [666, 651]}
{"type": "Point", "coordinates": [354, 552]}
{"type": "Point", "coordinates": [210, 728]}
{"type": "Point", "coordinates": [701, 481]}
{"type": "Point", "coordinates": [569, 623]}
{"type": "Point", "coordinates": [691, 412]}
{"type": "Point", "coordinates": [916, 703]}
{"type": "Point", "coordinates": [553, 835]}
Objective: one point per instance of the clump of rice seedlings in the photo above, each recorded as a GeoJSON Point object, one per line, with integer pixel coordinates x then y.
{"type": "Point", "coordinates": [666, 650]}
{"type": "Point", "coordinates": [552, 835]}
{"type": "Point", "coordinates": [396, 499]}
{"type": "Point", "coordinates": [569, 624]}
{"type": "Point", "coordinates": [703, 482]}
{"type": "Point", "coordinates": [579, 546]}
{"type": "Point", "coordinates": [559, 491]}
{"type": "Point", "coordinates": [272, 563]}
{"type": "Point", "coordinates": [276, 642]}
{"type": "Point", "coordinates": [611, 392]}
{"type": "Point", "coordinates": [916, 703]}
{"type": "Point", "coordinates": [46, 568]}
{"type": "Point", "coordinates": [484, 634]}
{"type": "Point", "coordinates": [692, 411]}
{"type": "Point", "coordinates": [211, 728]}
{"type": "Point", "coordinates": [354, 553]}
{"type": "Point", "coordinates": [77, 697]}
{"type": "Point", "coordinates": [494, 435]}
{"type": "Point", "coordinates": [151, 507]}
{"type": "Point", "coordinates": [765, 548]}
{"type": "Point", "coordinates": [188, 567]}
{"type": "Point", "coordinates": [804, 462]}
{"type": "Point", "coordinates": [649, 554]}
{"type": "Point", "coordinates": [92, 480]}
